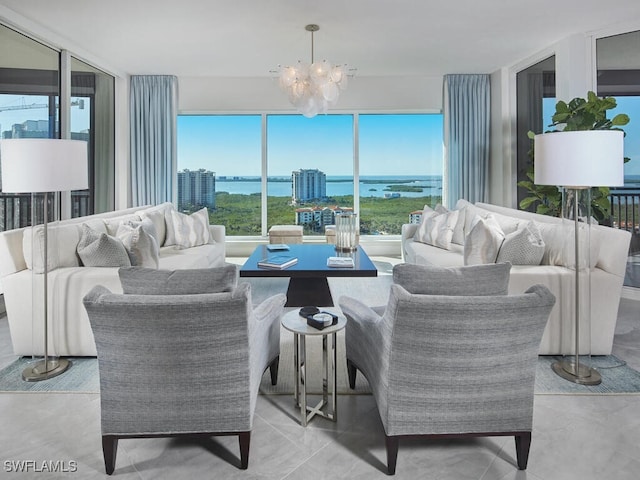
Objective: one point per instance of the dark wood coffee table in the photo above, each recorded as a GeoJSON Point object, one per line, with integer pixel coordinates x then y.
{"type": "Point", "coordinates": [308, 278]}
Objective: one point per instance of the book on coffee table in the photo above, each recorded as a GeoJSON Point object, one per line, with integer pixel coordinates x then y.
{"type": "Point", "coordinates": [272, 247]}
{"type": "Point", "coordinates": [340, 262]}
{"type": "Point", "coordinates": [278, 261]}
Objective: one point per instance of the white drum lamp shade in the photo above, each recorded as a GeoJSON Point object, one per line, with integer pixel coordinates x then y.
{"type": "Point", "coordinates": [31, 165]}
{"type": "Point", "coordinates": [585, 158]}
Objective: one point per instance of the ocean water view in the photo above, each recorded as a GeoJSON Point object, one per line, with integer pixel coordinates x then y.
{"type": "Point", "coordinates": [370, 186]}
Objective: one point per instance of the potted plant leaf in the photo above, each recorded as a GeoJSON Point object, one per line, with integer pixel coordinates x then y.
{"type": "Point", "coordinates": [578, 114]}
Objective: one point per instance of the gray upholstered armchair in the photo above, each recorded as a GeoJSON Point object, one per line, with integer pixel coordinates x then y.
{"type": "Point", "coordinates": [186, 364]}
{"type": "Point", "coordinates": [447, 365]}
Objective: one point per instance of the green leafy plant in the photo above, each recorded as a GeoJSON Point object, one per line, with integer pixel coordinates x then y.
{"type": "Point", "coordinates": [578, 114]}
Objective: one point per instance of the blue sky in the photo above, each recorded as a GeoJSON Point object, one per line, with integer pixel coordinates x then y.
{"type": "Point", "coordinates": [389, 144]}
{"type": "Point", "coordinates": [8, 118]}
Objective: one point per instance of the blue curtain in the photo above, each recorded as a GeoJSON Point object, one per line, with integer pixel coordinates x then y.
{"type": "Point", "coordinates": [467, 108]}
{"type": "Point", "coordinates": [153, 110]}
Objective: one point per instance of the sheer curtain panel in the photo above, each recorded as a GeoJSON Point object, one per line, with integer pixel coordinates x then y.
{"type": "Point", "coordinates": [153, 138]}
{"type": "Point", "coordinates": [467, 108]}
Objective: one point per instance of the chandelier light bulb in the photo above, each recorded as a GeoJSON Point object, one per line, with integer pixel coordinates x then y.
{"type": "Point", "coordinates": [312, 89]}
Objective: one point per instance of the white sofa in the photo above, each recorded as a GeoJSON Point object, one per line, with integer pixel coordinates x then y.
{"type": "Point", "coordinates": [69, 329]}
{"type": "Point", "coordinates": [608, 253]}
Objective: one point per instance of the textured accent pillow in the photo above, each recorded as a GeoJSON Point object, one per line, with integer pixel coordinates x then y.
{"type": "Point", "coordinates": [141, 246]}
{"type": "Point", "coordinates": [437, 229]}
{"type": "Point", "coordinates": [114, 222]}
{"type": "Point", "coordinates": [146, 281]}
{"type": "Point", "coordinates": [522, 247]}
{"type": "Point", "coordinates": [97, 249]}
{"type": "Point", "coordinates": [191, 230]}
{"type": "Point", "coordinates": [483, 242]}
{"type": "Point", "coordinates": [491, 279]}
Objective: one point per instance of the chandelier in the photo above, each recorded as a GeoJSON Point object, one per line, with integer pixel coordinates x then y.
{"type": "Point", "coordinates": [313, 88]}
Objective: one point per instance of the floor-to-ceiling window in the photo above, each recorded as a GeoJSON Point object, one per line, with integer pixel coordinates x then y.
{"type": "Point", "coordinates": [618, 76]}
{"type": "Point", "coordinates": [310, 170]}
{"type": "Point", "coordinates": [92, 119]}
{"type": "Point", "coordinates": [29, 101]}
{"type": "Point", "coordinates": [401, 159]}
{"type": "Point", "coordinates": [223, 153]}
{"type": "Point", "coordinates": [535, 90]}
{"type": "Point", "coordinates": [287, 169]}
{"type": "Point", "coordinates": [30, 86]}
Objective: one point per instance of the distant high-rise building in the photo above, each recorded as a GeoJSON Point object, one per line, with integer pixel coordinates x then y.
{"type": "Point", "coordinates": [196, 189]}
{"type": "Point", "coordinates": [308, 185]}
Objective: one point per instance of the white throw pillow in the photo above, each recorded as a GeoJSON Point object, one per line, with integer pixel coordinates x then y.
{"type": "Point", "coordinates": [191, 230]}
{"type": "Point", "coordinates": [170, 235]}
{"type": "Point", "coordinates": [437, 229]}
{"type": "Point", "coordinates": [483, 242]}
{"type": "Point", "coordinates": [458, 230]}
{"type": "Point", "coordinates": [97, 249]}
{"type": "Point", "coordinates": [158, 215]}
{"type": "Point", "coordinates": [554, 236]}
{"type": "Point", "coordinates": [147, 225]}
{"type": "Point", "coordinates": [141, 245]}
{"type": "Point", "coordinates": [522, 247]}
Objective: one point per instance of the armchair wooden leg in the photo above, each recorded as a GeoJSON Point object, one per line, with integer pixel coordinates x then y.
{"type": "Point", "coordinates": [351, 372]}
{"type": "Point", "coordinates": [244, 439]}
{"type": "Point", "coordinates": [273, 370]}
{"type": "Point", "coordinates": [109, 451]}
{"type": "Point", "coordinates": [523, 444]}
{"type": "Point", "coordinates": [392, 454]}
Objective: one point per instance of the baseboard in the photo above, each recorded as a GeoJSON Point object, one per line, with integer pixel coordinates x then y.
{"type": "Point", "coordinates": [631, 293]}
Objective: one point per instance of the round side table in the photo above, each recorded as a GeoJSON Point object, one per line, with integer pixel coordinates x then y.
{"type": "Point", "coordinates": [293, 322]}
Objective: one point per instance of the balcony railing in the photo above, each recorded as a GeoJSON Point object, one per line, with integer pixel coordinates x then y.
{"type": "Point", "coordinates": [625, 213]}
{"type": "Point", "coordinates": [15, 209]}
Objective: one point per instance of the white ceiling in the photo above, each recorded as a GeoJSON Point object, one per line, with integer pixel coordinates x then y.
{"type": "Point", "coordinates": [248, 38]}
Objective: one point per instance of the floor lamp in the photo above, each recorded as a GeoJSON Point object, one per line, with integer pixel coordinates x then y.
{"type": "Point", "coordinates": [39, 165]}
{"type": "Point", "coordinates": [577, 161]}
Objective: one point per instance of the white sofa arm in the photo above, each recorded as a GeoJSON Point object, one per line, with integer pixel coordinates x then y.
{"type": "Point", "coordinates": [217, 234]}
{"type": "Point", "coordinates": [407, 233]}
{"type": "Point", "coordinates": [408, 230]}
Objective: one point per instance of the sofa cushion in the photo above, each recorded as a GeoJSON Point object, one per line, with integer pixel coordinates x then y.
{"type": "Point", "coordinates": [97, 249]}
{"type": "Point", "coordinates": [483, 241]}
{"type": "Point", "coordinates": [491, 279]}
{"type": "Point", "coordinates": [146, 281]}
{"type": "Point", "coordinates": [191, 230]}
{"type": "Point", "coordinates": [522, 247]}
{"type": "Point", "coordinates": [437, 228]}
{"type": "Point", "coordinates": [141, 245]}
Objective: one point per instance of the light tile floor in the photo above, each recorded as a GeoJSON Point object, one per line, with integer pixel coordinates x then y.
{"type": "Point", "coordinates": [575, 437]}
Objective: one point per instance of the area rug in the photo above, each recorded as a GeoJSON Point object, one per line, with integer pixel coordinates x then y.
{"type": "Point", "coordinates": [617, 377]}
{"type": "Point", "coordinates": [81, 377]}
